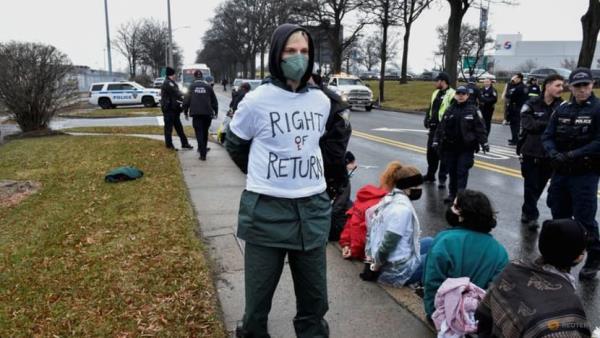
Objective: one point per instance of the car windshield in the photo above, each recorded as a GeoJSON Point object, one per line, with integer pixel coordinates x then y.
{"type": "Point", "coordinates": [237, 82]}
{"type": "Point", "coordinates": [563, 72]}
{"type": "Point", "coordinates": [349, 82]}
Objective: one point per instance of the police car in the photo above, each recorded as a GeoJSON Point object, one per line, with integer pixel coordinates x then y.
{"type": "Point", "coordinates": [111, 94]}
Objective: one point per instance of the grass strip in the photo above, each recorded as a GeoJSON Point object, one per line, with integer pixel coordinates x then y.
{"type": "Point", "coordinates": [87, 258]}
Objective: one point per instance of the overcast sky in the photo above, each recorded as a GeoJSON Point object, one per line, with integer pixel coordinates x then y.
{"type": "Point", "coordinates": [77, 27]}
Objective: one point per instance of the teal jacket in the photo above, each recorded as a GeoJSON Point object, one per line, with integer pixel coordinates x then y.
{"type": "Point", "coordinates": [458, 252]}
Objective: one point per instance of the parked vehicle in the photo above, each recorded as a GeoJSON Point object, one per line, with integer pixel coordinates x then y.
{"type": "Point", "coordinates": [352, 90]}
{"type": "Point", "coordinates": [542, 73]}
{"type": "Point", "coordinates": [429, 75]}
{"type": "Point", "coordinates": [187, 75]}
{"type": "Point", "coordinates": [479, 74]}
{"type": "Point", "coordinates": [158, 82]}
{"type": "Point", "coordinates": [596, 76]}
{"type": "Point", "coordinates": [112, 94]}
{"type": "Point", "coordinates": [238, 82]}
{"type": "Point", "coordinates": [370, 75]}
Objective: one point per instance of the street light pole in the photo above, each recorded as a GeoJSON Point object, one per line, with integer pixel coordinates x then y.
{"type": "Point", "coordinates": [170, 34]}
{"type": "Point", "coordinates": [107, 38]}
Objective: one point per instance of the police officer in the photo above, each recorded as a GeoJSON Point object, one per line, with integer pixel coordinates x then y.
{"type": "Point", "coordinates": [572, 139]}
{"type": "Point", "coordinates": [533, 89]}
{"type": "Point", "coordinates": [535, 163]}
{"type": "Point", "coordinates": [474, 92]}
{"type": "Point", "coordinates": [201, 103]}
{"type": "Point", "coordinates": [459, 136]}
{"type": "Point", "coordinates": [487, 103]}
{"type": "Point", "coordinates": [170, 103]}
{"type": "Point", "coordinates": [517, 94]}
{"type": "Point", "coordinates": [440, 101]}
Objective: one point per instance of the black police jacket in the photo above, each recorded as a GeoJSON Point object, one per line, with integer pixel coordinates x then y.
{"type": "Point", "coordinates": [517, 94]}
{"type": "Point", "coordinates": [236, 99]}
{"type": "Point", "coordinates": [488, 99]}
{"type": "Point", "coordinates": [462, 129]}
{"type": "Point", "coordinates": [335, 142]}
{"type": "Point", "coordinates": [200, 100]}
{"type": "Point", "coordinates": [474, 94]}
{"type": "Point", "coordinates": [574, 129]}
{"type": "Point", "coordinates": [170, 97]}
{"type": "Point", "coordinates": [535, 115]}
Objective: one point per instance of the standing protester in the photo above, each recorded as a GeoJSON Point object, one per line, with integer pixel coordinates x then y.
{"type": "Point", "coordinates": [572, 139]}
{"type": "Point", "coordinates": [487, 103]}
{"type": "Point", "coordinates": [202, 105]}
{"type": "Point", "coordinates": [535, 162]}
{"type": "Point", "coordinates": [530, 298]}
{"type": "Point", "coordinates": [238, 96]}
{"type": "Point", "coordinates": [474, 92]}
{"type": "Point", "coordinates": [533, 89]}
{"type": "Point", "coordinates": [440, 101]}
{"type": "Point", "coordinates": [458, 137]}
{"type": "Point", "coordinates": [224, 82]}
{"type": "Point", "coordinates": [517, 94]}
{"type": "Point", "coordinates": [170, 103]}
{"type": "Point", "coordinates": [284, 210]}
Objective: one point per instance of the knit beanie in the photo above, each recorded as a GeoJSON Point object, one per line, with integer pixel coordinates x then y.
{"type": "Point", "coordinates": [408, 177]}
{"type": "Point", "coordinates": [561, 241]}
{"type": "Point", "coordinates": [170, 71]}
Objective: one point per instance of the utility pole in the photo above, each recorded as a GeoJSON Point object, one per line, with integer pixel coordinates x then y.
{"type": "Point", "coordinates": [107, 38]}
{"type": "Point", "coordinates": [170, 35]}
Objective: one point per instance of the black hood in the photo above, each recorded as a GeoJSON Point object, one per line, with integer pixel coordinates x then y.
{"type": "Point", "coordinates": [278, 40]}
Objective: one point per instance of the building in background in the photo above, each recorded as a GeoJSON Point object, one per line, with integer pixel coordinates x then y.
{"type": "Point", "coordinates": [85, 76]}
{"type": "Point", "coordinates": [511, 53]}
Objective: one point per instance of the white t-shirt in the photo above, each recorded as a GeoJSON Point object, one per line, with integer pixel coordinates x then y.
{"type": "Point", "coordinates": [285, 127]}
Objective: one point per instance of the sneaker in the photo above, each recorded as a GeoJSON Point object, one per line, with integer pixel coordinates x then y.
{"type": "Point", "coordinates": [172, 148]}
{"type": "Point", "coordinates": [591, 266]}
{"type": "Point", "coordinates": [187, 146]}
{"type": "Point", "coordinates": [428, 178]}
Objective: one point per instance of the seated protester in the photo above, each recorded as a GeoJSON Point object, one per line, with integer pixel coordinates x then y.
{"type": "Point", "coordinates": [467, 249]}
{"type": "Point", "coordinates": [393, 246]}
{"type": "Point", "coordinates": [537, 298]}
{"type": "Point", "coordinates": [352, 239]}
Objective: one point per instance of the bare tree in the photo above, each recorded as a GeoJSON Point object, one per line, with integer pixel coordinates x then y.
{"type": "Point", "coordinates": [527, 66]}
{"type": "Point", "coordinates": [590, 23]}
{"type": "Point", "coordinates": [35, 83]}
{"type": "Point", "coordinates": [370, 50]}
{"type": "Point", "coordinates": [411, 10]}
{"type": "Point", "coordinates": [458, 9]}
{"type": "Point", "coordinates": [385, 14]}
{"type": "Point", "coordinates": [128, 44]}
{"type": "Point", "coordinates": [330, 15]}
{"type": "Point", "coordinates": [154, 43]}
{"type": "Point", "coordinates": [569, 64]}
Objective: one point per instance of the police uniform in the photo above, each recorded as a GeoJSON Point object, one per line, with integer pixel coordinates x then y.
{"type": "Point", "coordinates": [487, 103]}
{"type": "Point", "coordinates": [474, 93]}
{"type": "Point", "coordinates": [171, 99]}
{"type": "Point", "coordinates": [533, 90]}
{"type": "Point", "coordinates": [572, 139]}
{"type": "Point", "coordinates": [459, 136]}
{"type": "Point", "coordinates": [440, 101]}
{"type": "Point", "coordinates": [535, 163]}
{"type": "Point", "coordinates": [517, 94]}
{"type": "Point", "coordinates": [201, 103]}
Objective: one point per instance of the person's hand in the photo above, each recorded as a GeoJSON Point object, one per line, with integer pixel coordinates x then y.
{"type": "Point", "coordinates": [351, 166]}
{"type": "Point", "coordinates": [346, 252]}
{"type": "Point", "coordinates": [560, 158]}
{"type": "Point", "coordinates": [485, 148]}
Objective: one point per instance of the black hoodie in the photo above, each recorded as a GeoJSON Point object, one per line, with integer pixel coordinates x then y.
{"type": "Point", "coordinates": [278, 41]}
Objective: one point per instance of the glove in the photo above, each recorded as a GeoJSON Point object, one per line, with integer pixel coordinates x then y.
{"type": "Point", "coordinates": [485, 148]}
{"type": "Point", "coordinates": [560, 158]}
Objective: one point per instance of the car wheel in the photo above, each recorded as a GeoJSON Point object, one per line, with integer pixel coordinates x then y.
{"type": "Point", "coordinates": [105, 103]}
{"type": "Point", "coordinates": [369, 108]}
{"type": "Point", "coordinates": [148, 101]}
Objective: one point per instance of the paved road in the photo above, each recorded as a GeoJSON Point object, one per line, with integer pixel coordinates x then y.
{"type": "Point", "coordinates": [380, 137]}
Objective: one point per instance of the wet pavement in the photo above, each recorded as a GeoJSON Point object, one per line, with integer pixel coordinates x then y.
{"type": "Point", "coordinates": [380, 137]}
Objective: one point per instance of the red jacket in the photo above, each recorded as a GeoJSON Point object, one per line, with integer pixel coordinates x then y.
{"type": "Point", "coordinates": [355, 229]}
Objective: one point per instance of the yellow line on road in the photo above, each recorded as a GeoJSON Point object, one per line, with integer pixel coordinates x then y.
{"type": "Point", "coordinates": [479, 164]}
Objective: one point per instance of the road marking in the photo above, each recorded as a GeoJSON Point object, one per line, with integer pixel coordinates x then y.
{"type": "Point", "coordinates": [422, 150]}
{"type": "Point", "coordinates": [399, 130]}
{"type": "Point", "coordinates": [160, 121]}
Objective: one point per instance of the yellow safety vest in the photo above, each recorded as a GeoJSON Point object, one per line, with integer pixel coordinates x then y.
{"type": "Point", "coordinates": [445, 102]}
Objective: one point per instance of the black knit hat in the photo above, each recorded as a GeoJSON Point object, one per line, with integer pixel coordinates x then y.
{"type": "Point", "coordinates": [561, 242]}
{"type": "Point", "coordinates": [170, 71]}
{"type": "Point", "coordinates": [409, 182]}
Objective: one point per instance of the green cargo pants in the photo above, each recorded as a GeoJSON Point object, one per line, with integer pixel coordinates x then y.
{"type": "Point", "coordinates": [263, 267]}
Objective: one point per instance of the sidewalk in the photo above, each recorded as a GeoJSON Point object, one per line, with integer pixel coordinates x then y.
{"type": "Point", "coordinates": [356, 308]}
